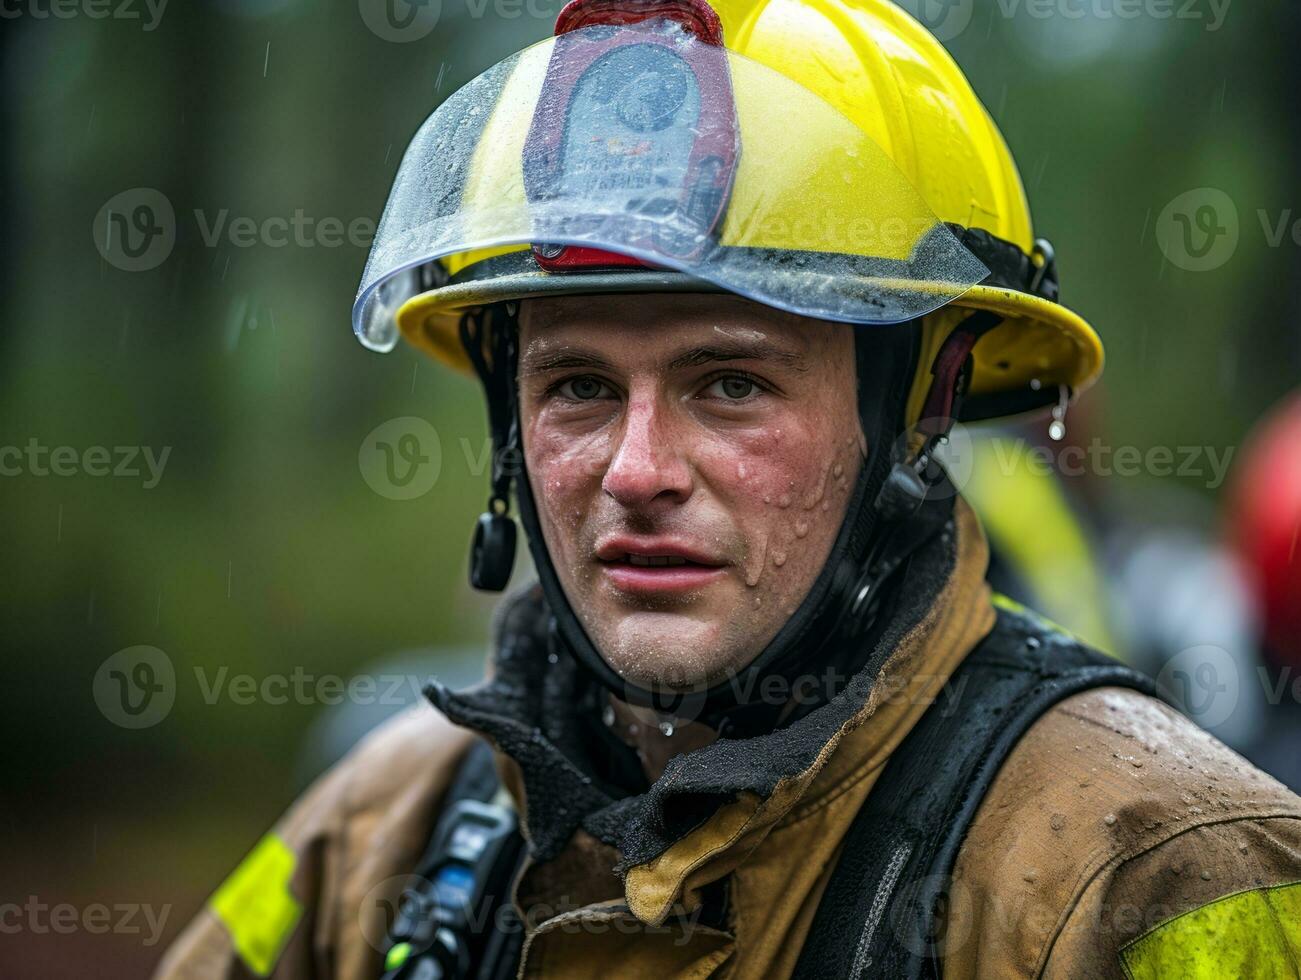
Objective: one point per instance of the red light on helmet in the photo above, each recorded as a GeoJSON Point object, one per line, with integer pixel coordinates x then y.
{"type": "Point", "coordinates": [695, 16]}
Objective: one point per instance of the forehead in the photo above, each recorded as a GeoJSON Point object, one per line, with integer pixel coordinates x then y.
{"type": "Point", "coordinates": [635, 328]}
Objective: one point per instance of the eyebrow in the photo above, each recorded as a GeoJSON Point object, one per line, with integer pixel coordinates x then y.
{"type": "Point", "coordinates": [716, 351]}
{"type": "Point", "coordinates": [738, 350]}
{"type": "Point", "coordinates": [563, 358]}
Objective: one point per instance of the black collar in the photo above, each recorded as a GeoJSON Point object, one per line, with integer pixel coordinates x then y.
{"type": "Point", "coordinates": [538, 706]}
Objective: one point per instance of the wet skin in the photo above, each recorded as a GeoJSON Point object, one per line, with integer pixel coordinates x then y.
{"type": "Point", "coordinates": [705, 431]}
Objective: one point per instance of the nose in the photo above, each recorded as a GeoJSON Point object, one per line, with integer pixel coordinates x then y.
{"type": "Point", "coordinates": [648, 468]}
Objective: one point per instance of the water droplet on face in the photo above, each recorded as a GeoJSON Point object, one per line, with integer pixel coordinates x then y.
{"type": "Point", "coordinates": [552, 658]}
{"type": "Point", "coordinates": [1058, 821]}
{"type": "Point", "coordinates": [826, 505]}
{"type": "Point", "coordinates": [1109, 819]}
{"type": "Point", "coordinates": [801, 528]}
{"type": "Point", "coordinates": [767, 499]}
{"type": "Point", "coordinates": [779, 558]}
{"type": "Point", "coordinates": [758, 601]}
{"type": "Point", "coordinates": [666, 728]}
{"type": "Point", "coordinates": [1056, 430]}
{"type": "Point", "coordinates": [607, 715]}
{"type": "Point", "coordinates": [783, 501]}
{"type": "Point", "coordinates": [838, 472]}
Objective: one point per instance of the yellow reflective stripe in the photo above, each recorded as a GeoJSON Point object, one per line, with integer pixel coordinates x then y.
{"type": "Point", "coordinates": [1253, 933]}
{"type": "Point", "coordinates": [256, 905]}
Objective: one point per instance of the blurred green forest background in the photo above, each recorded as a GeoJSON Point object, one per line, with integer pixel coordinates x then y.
{"type": "Point", "coordinates": [262, 548]}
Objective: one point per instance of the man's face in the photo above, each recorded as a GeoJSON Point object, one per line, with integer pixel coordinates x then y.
{"type": "Point", "coordinates": [691, 456]}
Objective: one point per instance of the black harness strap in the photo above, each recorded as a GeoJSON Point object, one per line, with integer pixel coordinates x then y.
{"type": "Point", "coordinates": [882, 912]}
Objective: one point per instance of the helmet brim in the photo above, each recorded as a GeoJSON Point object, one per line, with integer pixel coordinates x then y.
{"type": "Point", "coordinates": [1019, 365]}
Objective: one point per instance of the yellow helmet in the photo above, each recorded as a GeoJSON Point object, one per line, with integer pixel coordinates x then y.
{"type": "Point", "coordinates": [908, 103]}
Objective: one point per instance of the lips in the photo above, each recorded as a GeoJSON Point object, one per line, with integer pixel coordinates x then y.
{"type": "Point", "coordinates": [657, 566]}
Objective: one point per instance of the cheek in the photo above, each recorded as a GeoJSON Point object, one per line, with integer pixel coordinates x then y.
{"type": "Point", "coordinates": [564, 472]}
{"type": "Point", "coordinates": [787, 490]}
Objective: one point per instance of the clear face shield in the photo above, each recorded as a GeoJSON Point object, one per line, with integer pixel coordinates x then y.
{"type": "Point", "coordinates": [646, 145]}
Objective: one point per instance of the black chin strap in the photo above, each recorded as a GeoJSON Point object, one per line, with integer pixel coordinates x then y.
{"type": "Point", "coordinates": [893, 510]}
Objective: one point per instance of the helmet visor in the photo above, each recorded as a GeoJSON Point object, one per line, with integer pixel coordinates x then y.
{"type": "Point", "coordinates": [642, 144]}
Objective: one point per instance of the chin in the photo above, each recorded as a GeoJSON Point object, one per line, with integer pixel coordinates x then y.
{"type": "Point", "coordinates": [667, 650]}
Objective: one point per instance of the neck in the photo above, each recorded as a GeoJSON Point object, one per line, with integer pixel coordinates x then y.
{"type": "Point", "coordinates": [655, 737]}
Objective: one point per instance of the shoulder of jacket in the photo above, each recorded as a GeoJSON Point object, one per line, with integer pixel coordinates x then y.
{"type": "Point", "coordinates": [416, 747]}
{"type": "Point", "coordinates": [1133, 764]}
{"type": "Point", "coordinates": [1102, 778]}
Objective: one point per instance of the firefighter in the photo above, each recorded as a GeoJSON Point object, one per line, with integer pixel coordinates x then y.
{"type": "Point", "coordinates": [729, 273]}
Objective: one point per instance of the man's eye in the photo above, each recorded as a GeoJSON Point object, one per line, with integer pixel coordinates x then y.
{"type": "Point", "coordinates": [732, 388]}
{"type": "Point", "coordinates": [584, 389]}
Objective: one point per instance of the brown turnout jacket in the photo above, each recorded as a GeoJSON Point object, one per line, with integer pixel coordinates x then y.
{"type": "Point", "coordinates": [1118, 840]}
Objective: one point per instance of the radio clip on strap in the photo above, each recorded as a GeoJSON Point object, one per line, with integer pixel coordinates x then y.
{"type": "Point", "coordinates": [453, 922]}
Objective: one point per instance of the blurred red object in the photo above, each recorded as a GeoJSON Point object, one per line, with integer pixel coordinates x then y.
{"type": "Point", "coordinates": [1264, 527]}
